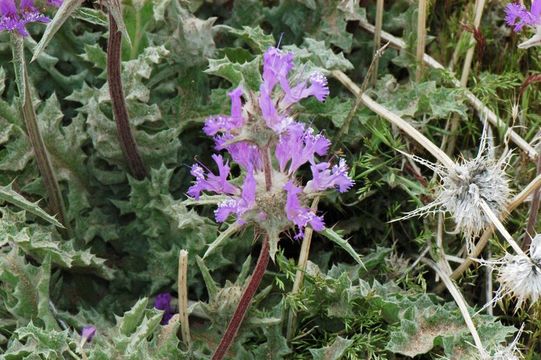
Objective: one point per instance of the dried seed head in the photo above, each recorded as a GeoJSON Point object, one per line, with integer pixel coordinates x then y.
{"type": "Point", "coordinates": [520, 276]}
{"type": "Point", "coordinates": [465, 184]}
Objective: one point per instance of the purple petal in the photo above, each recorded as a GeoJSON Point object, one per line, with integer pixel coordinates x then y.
{"type": "Point", "coordinates": [299, 215]}
{"type": "Point", "coordinates": [238, 206]}
{"type": "Point", "coordinates": [516, 15]}
{"type": "Point", "coordinates": [88, 332]}
{"type": "Point", "coordinates": [299, 145]}
{"type": "Point", "coordinates": [55, 3]}
{"type": "Point", "coordinates": [318, 88]}
{"type": "Point", "coordinates": [8, 8]}
{"type": "Point", "coordinates": [325, 178]}
{"type": "Point", "coordinates": [536, 9]}
{"type": "Point", "coordinates": [273, 119]}
{"type": "Point", "coordinates": [211, 182]}
{"type": "Point", "coordinates": [163, 301]}
{"type": "Point", "coordinates": [276, 66]}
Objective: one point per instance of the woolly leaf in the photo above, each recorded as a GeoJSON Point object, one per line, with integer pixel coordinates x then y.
{"type": "Point", "coordinates": [255, 37]}
{"type": "Point", "coordinates": [333, 351]}
{"type": "Point", "coordinates": [8, 194]}
{"type": "Point", "coordinates": [344, 244]}
{"type": "Point", "coordinates": [246, 74]}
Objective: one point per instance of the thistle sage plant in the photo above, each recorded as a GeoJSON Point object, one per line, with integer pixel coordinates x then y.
{"type": "Point", "coordinates": [269, 146]}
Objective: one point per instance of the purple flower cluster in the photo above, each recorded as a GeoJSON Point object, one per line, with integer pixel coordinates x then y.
{"type": "Point", "coordinates": [266, 142]}
{"type": "Point", "coordinates": [518, 16]}
{"type": "Point", "coordinates": [15, 17]}
{"type": "Point", "coordinates": [163, 302]}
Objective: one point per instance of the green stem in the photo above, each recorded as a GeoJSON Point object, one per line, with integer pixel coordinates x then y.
{"type": "Point", "coordinates": [125, 136]}
{"type": "Point", "coordinates": [56, 202]}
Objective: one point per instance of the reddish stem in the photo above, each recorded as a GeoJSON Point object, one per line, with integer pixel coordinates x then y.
{"type": "Point", "coordinates": [125, 136]}
{"type": "Point", "coordinates": [244, 302]}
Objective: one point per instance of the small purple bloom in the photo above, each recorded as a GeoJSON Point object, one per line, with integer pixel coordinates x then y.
{"type": "Point", "coordinates": [211, 182]}
{"type": "Point", "coordinates": [16, 19]}
{"type": "Point", "coordinates": [518, 16]}
{"type": "Point", "coordinates": [163, 302]}
{"type": "Point", "coordinates": [299, 215]}
{"type": "Point", "coordinates": [240, 205]}
{"type": "Point", "coordinates": [317, 88]}
{"type": "Point", "coordinates": [299, 145]}
{"type": "Point", "coordinates": [324, 177]}
{"type": "Point", "coordinates": [276, 67]}
{"type": "Point", "coordinates": [225, 124]}
{"type": "Point", "coordinates": [88, 332]}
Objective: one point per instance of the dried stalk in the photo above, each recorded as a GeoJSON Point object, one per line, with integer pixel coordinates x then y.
{"type": "Point", "coordinates": [183, 296]}
{"type": "Point", "coordinates": [501, 228]}
{"type": "Point", "coordinates": [479, 7]}
{"type": "Point", "coordinates": [377, 38]}
{"type": "Point", "coordinates": [482, 109]}
{"type": "Point", "coordinates": [301, 269]}
{"type": "Point", "coordinates": [421, 38]}
{"type": "Point", "coordinates": [125, 136]}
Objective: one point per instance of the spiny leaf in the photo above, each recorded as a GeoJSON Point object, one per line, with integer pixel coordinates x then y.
{"type": "Point", "coordinates": [344, 244]}
{"type": "Point", "coordinates": [8, 194]}
{"type": "Point", "coordinates": [333, 351]}
{"type": "Point", "coordinates": [224, 235]}
{"type": "Point", "coordinates": [63, 13]}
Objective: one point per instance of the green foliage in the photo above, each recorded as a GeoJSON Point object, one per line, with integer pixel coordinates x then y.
{"type": "Point", "coordinates": [364, 295]}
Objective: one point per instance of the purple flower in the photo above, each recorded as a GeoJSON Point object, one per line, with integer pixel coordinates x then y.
{"type": "Point", "coordinates": [276, 67]}
{"type": "Point", "coordinates": [225, 124]}
{"type": "Point", "coordinates": [299, 145]}
{"type": "Point", "coordinates": [317, 88]}
{"type": "Point", "coordinates": [13, 18]}
{"type": "Point", "coordinates": [239, 206]}
{"type": "Point", "coordinates": [299, 215]}
{"type": "Point", "coordinates": [275, 121]}
{"type": "Point", "coordinates": [243, 153]}
{"type": "Point", "coordinates": [163, 302]}
{"type": "Point", "coordinates": [324, 177]}
{"type": "Point", "coordinates": [211, 182]}
{"type": "Point", "coordinates": [518, 16]}
{"type": "Point", "coordinates": [87, 333]}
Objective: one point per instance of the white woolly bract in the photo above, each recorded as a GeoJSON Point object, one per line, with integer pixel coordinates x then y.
{"type": "Point", "coordinates": [519, 275]}
{"type": "Point", "coordinates": [464, 185]}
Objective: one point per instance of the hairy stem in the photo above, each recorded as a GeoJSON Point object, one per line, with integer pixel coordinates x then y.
{"type": "Point", "coordinates": [267, 169]}
{"type": "Point", "coordinates": [56, 202]}
{"type": "Point", "coordinates": [125, 136]}
{"type": "Point", "coordinates": [244, 303]}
